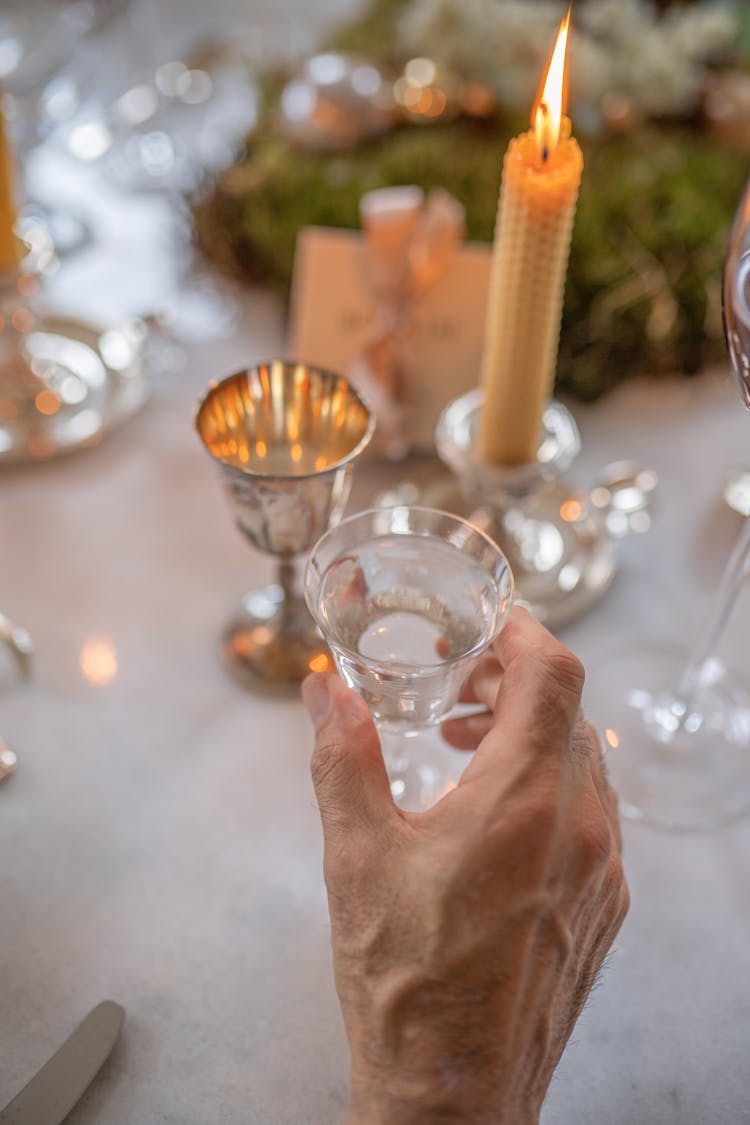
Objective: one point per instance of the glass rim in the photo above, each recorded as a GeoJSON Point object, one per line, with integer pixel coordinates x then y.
{"type": "Point", "coordinates": [458, 521]}
{"type": "Point", "coordinates": [327, 374]}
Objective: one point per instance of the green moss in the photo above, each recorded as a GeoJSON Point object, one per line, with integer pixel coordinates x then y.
{"type": "Point", "coordinates": [259, 206]}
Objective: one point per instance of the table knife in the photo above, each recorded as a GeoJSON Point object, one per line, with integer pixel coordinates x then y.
{"type": "Point", "coordinates": [51, 1094]}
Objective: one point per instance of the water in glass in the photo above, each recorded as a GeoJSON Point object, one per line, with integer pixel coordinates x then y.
{"type": "Point", "coordinates": [405, 616]}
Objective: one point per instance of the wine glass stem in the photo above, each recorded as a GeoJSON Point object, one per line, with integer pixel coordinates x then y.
{"type": "Point", "coordinates": [731, 581]}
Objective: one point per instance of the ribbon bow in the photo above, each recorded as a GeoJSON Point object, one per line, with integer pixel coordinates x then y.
{"type": "Point", "coordinates": [410, 241]}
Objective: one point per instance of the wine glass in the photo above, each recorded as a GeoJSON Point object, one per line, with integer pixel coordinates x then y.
{"type": "Point", "coordinates": [408, 598]}
{"type": "Point", "coordinates": [679, 721]}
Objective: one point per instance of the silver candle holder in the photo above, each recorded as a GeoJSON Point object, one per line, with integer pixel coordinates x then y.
{"type": "Point", "coordinates": [285, 437]}
{"type": "Point", "coordinates": [63, 381]}
{"type": "Point", "coordinates": [559, 542]}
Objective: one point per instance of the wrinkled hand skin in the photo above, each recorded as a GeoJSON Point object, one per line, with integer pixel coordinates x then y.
{"type": "Point", "coordinates": [466, 938]}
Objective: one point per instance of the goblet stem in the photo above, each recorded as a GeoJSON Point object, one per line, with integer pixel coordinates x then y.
{"type": "Point", "coordinates": [729, 587]}
{"type": "Point", "coordinates": [287, 580]}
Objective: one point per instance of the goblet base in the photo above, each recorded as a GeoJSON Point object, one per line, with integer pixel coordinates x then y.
{"type": "Point", "coordinates": [66, 385]}
{"type": "Point", "coordinates": [678, 761]}
{"type": "Point", "coordinates": [274, 639]}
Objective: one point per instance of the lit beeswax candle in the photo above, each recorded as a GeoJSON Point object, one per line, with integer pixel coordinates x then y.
{"type": "Point", "coordinates": [10, 250]}
{"type": "Point", "coordinates": [541, 175]}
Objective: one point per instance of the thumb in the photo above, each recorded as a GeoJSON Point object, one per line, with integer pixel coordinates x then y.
{"type": "Point", "coordinates": [348, 772]}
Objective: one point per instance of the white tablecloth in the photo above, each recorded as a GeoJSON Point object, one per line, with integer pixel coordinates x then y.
{"type": "Point", "coordinates": [160, 844]}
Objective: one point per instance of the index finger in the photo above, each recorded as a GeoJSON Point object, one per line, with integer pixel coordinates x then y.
{"type": "Point", "coordinates": [537, 703]}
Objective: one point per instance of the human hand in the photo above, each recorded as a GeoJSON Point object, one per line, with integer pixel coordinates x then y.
{"type": "Point", "coordinates": [466, 938]}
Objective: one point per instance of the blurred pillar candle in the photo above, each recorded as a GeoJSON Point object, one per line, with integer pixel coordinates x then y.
{"type": "Point", "coordinates": [541, 176]}
{"type": "Point", "coordinates": [10, 247]}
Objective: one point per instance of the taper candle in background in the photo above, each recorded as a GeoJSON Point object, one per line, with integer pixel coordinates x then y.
{"type": "Point", "coordinates": [541, 176]}
{"type": "Point", "coordinates": [10, 247]}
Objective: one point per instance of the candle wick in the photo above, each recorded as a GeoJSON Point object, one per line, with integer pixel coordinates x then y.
{"type": "Point", "coordinates": [545, 154]}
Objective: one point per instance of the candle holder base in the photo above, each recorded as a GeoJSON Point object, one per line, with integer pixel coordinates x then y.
{"type": "Point", "coordinates": [63, 381]}
{"type": "Point", "coordinates": [273, 639]}
{"type": "Point", "coordinates": [559, 541]}
{"type": "Point", "coordinates": [561, 565]}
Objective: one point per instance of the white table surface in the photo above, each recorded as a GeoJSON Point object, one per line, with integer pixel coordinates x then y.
{"type": "Point", "coordinates": [160, 843]}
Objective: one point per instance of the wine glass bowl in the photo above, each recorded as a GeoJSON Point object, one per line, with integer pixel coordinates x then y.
{"type": "Point", "coordinates": [408, 598]}
{"type": "Point", "coordinates": [285, 437]}
{"type": "Point", "coordinates": [735, 294]}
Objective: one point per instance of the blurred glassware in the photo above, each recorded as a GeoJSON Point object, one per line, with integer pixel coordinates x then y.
{"type": "Point", "coordinates": [63, 381]}
{"type": "Point", "coordinates": [678, 722]}
{"type": "Point", "coordinates": [8, 760]}
{"type": "Point", "coordinates": [185, 113]}
{"type": "Point", "coordinates": [17, 642]}
{"type": "Point", "coordinates": [737, 491]}
{"type": "Point", "coordinates": [334, 102]}
{"type": "Point", "coordinates": [85, 16]}
{"type": "Point", "coordinates": [38, 39]}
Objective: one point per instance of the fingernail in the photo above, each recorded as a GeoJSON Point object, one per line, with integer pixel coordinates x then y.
{"type": "Point", "coordinates": [317, 698]}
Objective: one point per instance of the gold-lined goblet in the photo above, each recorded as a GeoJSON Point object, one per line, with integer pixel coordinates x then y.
{"type": "Point", "coordinates": [285, 437]}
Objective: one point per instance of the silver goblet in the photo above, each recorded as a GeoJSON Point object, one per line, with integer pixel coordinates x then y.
{"type": "Point", "coordinates": [285, 437]}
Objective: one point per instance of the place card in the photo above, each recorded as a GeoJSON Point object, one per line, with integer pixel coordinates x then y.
{"type": "Point", "coordinates": [332, 312]}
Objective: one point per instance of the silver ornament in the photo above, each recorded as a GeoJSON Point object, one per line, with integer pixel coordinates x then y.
{"type": "Point", "coordinates": [334, 102]}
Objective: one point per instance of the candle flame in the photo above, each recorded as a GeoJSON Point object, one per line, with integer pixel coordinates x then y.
{"type": "Point", "coordinates": [550, 104]}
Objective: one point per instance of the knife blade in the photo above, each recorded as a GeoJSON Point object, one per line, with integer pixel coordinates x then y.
{"type": "Point", "coordinates": [53, 1091]}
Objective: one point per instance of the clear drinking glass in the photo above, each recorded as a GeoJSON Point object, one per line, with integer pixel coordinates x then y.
{"type": "Point", "coordinates": [679, 721]}
{"type": "Point", "coordinates": [408, 599]}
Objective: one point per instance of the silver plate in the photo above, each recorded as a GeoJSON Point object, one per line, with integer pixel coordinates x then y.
{"type": "Point", "coordinates": [75, 381]}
